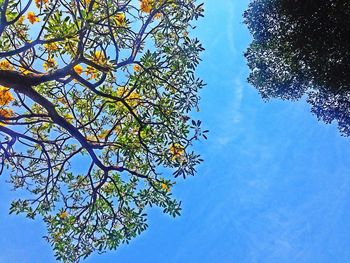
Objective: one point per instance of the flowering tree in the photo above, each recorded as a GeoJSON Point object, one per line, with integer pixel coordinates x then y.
{"type": "Point", "coordinates": [94, 104]}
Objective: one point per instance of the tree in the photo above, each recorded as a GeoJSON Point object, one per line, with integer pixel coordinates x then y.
{"type": "Point", "coordinates": [95, 99]}
{"type": "Point", "coordinates": [302, 48]}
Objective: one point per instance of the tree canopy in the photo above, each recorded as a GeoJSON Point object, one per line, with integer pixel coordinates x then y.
{"type": "Point", "coordinates": [301, 48]}
{"type": "Point", "coordinates": [95, 99]}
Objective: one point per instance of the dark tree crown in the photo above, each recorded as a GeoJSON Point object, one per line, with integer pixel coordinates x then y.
{"type": "Point", "coordinates": [302, 48]}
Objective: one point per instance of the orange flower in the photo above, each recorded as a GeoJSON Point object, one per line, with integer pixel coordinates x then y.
{"type": "Point", "coordinates": [137, 68]}
{"type": "Point", "coordinates": [38, 2]}
{"type": "Point", "coordinates": [158, 16]}
{"type": "Point", "coordinates": [5, 96]}
{"type": "Point", "coordinates": [165, 187]}
{"type": "Point", "coordinates": [78, 69]}
{"type": "Point", "coordinates": [32, 18]}
{"type": "Point", "coordinates": [146, 6]}
{"type": "Point", "coordinates": [5, 113]}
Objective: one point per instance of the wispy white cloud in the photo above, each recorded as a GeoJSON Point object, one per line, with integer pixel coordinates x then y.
{"type": "Point", "coordinates": [230, 32]}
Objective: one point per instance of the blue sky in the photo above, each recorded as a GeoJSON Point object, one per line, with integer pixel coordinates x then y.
{"type": "Point", "coordinates": [274, 187]}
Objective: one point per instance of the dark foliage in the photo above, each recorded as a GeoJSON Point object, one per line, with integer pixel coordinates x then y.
{"type": "Point", "coordinates": [302, 48]}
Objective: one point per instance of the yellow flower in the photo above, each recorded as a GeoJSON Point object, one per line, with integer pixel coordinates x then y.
{"type": "Point", "coordinates": [51, 47]}
{"type": "Point", "coordinates": [99, 57]}
{"type": "Point", "coordinates": [137, 68]}
{"type": "Point", "coordinates": [69, 117]}
{"type": "Point", "coordinates": [98, 54]}
{"type": "Point", "coordinates": [5, 65]}
{"type": "Point", "coordinates": [32, 18]}
{"type": "Point", "coordinates": [21, 19]}
{"type": "Point", "coordinates": [120, 19]}
{"type": "Point", "coordinates": [78, 69]}
{"type": "Point", "coordinates": [87, 3]}
{"type": "Point", "coordinates": [5, 96]}
{"type": "Point", "coordinates": [24, 70]}
{"type": "Point", "coordinates": [50, 63]}
{"type": "Point", "coordinates": [177, 150]}
{"type": "Point", "coordinates": [132, 98]}
{"type": "Point", "coordinates": [146, 6]}
{"type": "Point", "coordinates": [63, 215]}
